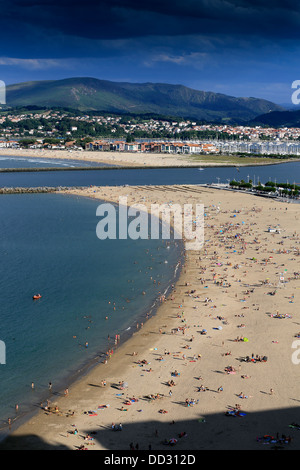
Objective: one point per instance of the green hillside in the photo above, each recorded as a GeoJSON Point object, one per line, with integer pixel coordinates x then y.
{"type": "Point", "coordinates": [101, 95]}
{"type": "Point", "coordinates": [279, 119]}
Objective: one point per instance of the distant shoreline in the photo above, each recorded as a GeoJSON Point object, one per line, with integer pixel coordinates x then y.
{"type": "Point", "coordinates": [146, 160]}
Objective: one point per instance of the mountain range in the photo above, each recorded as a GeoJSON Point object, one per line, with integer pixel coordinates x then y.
{"type": "Point", "coordinates": [91, 94]}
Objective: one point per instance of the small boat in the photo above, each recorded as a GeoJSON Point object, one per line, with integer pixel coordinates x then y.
{"type": "Point", "coordinates": [37, 296]}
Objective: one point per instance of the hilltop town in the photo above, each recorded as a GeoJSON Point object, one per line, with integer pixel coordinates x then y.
{"type": "Point", "coordinates": [68, 129]}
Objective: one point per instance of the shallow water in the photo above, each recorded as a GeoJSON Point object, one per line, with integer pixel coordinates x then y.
{"type": "Point", "coordinates": [48, 245]}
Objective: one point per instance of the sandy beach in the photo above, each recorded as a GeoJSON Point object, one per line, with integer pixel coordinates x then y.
{"type": "Point", "coordinates": [111, 158]}
{"type": "Point", "coordinates": [217, 366]}
{"type": "Point", "coordinates": [133, 159]}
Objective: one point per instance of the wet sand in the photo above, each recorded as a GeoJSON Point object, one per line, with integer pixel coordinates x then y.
{"type": "Point", "coordinates": [241, 284]}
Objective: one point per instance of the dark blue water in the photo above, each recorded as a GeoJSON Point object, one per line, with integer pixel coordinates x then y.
{"type": "Point", "coordinates": [48, 245]}
{"type": "Point", "coordinates": [163, 176]}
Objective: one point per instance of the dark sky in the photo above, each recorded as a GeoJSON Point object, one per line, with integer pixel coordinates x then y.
{"type": "Point", "coordinates": [236, 47]}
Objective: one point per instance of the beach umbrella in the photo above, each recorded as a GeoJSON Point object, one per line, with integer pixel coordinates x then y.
{"type": "Point", "coordinates": [246, 340]}
{"type": "Point", "coordinates": [173, 441]}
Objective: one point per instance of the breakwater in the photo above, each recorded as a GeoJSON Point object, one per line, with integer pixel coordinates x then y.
{"type": "Point", "coordinates": [93, 168]}
{"type": "Point", "coordinates": [117, 167]}
{"type": "Point", "coordinates": [39, 190]}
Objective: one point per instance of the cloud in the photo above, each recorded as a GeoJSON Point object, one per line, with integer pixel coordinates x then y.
{"type": "Point", "coordinates": [105, 28]}
{"type": "Point", "coordinates": [116, 19]}
{"type": "Point", "coordinates": [228, 41]}
{"type": "Point", "coordinates": [32, 63]}
{"type": "Point", "coordinates": [195, 59]}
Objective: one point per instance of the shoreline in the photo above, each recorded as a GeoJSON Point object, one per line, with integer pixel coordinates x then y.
{"type": "Point", "coordinates": [127, 159]}
{"type": "Point", "coordinates": [265, 413]}
{"type": "Point", "coordinates": [99, 358]}
{"type": "Point", "coordinates": [92, 366]}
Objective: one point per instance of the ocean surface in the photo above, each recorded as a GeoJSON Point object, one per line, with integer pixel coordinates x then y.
{"type": "Point", "coordinates": [282, 173]}
{"type": "Point", "coordinates": [48, 245]}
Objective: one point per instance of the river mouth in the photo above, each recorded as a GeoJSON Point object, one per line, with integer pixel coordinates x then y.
{"type": "Point", "coordinates": [150, 176]}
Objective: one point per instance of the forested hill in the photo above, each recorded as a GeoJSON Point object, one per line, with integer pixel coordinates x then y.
{"type": "Point", "coordinates": [159, 98]}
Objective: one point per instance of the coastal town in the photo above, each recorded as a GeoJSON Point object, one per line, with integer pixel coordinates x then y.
{"type": "Point", "coordinates": [58, 129]}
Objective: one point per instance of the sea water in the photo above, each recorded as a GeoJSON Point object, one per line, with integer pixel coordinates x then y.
{"type": "Point", "coordinates": [48, 245]}
{"type": "Point", "coordinates": [281, 173]}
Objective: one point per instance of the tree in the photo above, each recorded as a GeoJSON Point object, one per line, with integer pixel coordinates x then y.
{"type": "Point", "coordinates": [130, 138]}
{"type": "Point", "coordinates": [26, 142]}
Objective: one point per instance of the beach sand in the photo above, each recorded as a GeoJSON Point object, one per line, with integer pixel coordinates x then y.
{"type": "Point", "coordinates": [111, 158]}
{"type": "Point", "coordinates": [140, 159]}
{"type": "Point", "coordinates": [232, 288]}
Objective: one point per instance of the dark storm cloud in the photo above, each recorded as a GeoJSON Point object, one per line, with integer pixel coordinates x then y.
{"type": "Point", "coordinates": [232, 46]}
{"type": "Point", "coordinates": [117, 19]}
{"type": "Point", "coordinates": [154, 31]}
